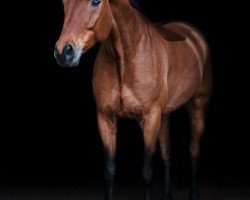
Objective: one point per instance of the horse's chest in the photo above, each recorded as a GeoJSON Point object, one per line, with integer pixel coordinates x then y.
{"type": "Point", "coordinates": [123, 102]}
{"type": "Point", "coordinates": [129, 102]}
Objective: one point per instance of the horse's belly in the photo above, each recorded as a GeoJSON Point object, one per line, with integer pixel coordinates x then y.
{"type": "Point", "coordinates": [184, 89]}
{"type": "Point", "coordinates": [180, 98]}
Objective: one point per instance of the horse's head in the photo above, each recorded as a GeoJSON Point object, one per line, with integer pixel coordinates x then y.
{"type": "Point", "coordinates": [86, 22]}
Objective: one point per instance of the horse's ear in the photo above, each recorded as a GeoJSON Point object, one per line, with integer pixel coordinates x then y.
{"type": "Point", "coordinates": [135, 4]}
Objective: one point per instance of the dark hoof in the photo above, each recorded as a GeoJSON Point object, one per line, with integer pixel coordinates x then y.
{"type": "Point", "coordinates": [194, 196]}
{"type": "Point", "coordinates": [167, 197]}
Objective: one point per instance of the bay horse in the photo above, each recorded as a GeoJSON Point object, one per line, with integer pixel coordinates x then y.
{"type": "Point", "coordinates": [142, 71]}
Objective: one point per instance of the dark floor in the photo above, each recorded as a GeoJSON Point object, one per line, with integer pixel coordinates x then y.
{"type": "Point", "coordinates": [94, 191]}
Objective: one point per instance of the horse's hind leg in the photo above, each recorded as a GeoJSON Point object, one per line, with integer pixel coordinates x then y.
{"type": "Point", "coordinates": [165, 151]}
{"type": "Point", "coordinates": [196, 109]}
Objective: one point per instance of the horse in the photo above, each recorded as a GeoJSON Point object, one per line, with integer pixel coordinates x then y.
{"type": "Point", "coordinates": [142, 71]}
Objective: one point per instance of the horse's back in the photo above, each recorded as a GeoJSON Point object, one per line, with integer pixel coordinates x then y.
{"type": "Point", "coordinates": [182, 31]}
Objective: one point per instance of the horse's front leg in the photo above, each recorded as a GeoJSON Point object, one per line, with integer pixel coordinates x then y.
{"type": "Point", "coordinates": [165, 154]}
{"type": "Point", "coordinates": [151, 124]}
{"type": "Point", "coordinates": [107, 128]}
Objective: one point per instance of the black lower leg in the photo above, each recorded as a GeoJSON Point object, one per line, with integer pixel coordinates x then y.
{"type": "Point", "coordinates": [167, 186]}
{"type": "Point", "coordinates": [194, 193]}
{"type": "Point", "coordinates": [147, 174]}
{"type": "Point", "coordinates": [109, 175]}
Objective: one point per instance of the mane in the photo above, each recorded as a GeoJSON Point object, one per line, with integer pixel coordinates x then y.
{"type": "Point", "coordinates": [135, 4]}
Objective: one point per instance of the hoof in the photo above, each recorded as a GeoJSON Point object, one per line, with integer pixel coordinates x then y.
{"type": "Point", "coordinates": [167, 197]}
{"type": "Point", "coordinates": [194, 196]}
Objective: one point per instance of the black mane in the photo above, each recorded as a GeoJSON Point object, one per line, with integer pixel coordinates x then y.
{"type": "Point", "coordinates": [135, 4]}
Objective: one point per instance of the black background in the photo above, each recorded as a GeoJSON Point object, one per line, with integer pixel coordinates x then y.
{"type": "Point", "coordinates": [49, 131]}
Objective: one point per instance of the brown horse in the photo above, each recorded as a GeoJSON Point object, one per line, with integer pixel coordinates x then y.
{"type": "Point", "coordinates": [142, 70]}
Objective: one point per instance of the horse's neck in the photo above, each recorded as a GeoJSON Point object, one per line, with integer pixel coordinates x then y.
{"type": "Point", "coordinates": [126, 23]}
{"type": "Point", "coordinates": [128, 27]}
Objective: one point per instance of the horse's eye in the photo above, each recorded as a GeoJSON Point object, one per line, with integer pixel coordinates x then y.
{"type": "Point", "coordinates": [95, 3]}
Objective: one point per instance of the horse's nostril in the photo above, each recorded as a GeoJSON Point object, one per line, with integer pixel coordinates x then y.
{"type": "Point", "coordinates": [69, 52]}
{"type": "Point", "coordinates": [56, 53]}
{"type": "Point", "coordinates": [68, 49]}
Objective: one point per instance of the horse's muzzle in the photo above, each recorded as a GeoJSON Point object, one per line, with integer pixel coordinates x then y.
{"type": "Point", "coordinates": [70, 56]}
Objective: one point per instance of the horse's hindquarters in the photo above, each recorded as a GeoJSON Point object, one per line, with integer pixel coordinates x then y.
{"type": "Point", "coordinates": [184, 74]}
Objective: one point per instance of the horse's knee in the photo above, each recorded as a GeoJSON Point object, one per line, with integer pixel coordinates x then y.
{"type": "Point", "coordinates": [165, 156]}
{"type": "Point", "coordinates": [197, 126]}
{"type": "Point", "coordinates": [194, 150]}
{"type": "Point", "coordinates": [197, 120]}
{"type": "Point", "coordinates": [200, 102]}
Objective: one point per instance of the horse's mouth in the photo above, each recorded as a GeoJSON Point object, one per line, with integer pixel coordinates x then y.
{"type": "Point", "coordinates": [69, 63]}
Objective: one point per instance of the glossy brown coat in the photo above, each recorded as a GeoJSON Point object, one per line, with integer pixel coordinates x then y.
{"type": "Point", "coordinates": [142, 70]}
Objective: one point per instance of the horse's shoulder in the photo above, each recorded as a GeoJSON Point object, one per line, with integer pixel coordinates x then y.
{"type": "Point", "coordinates": [172, 31]}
